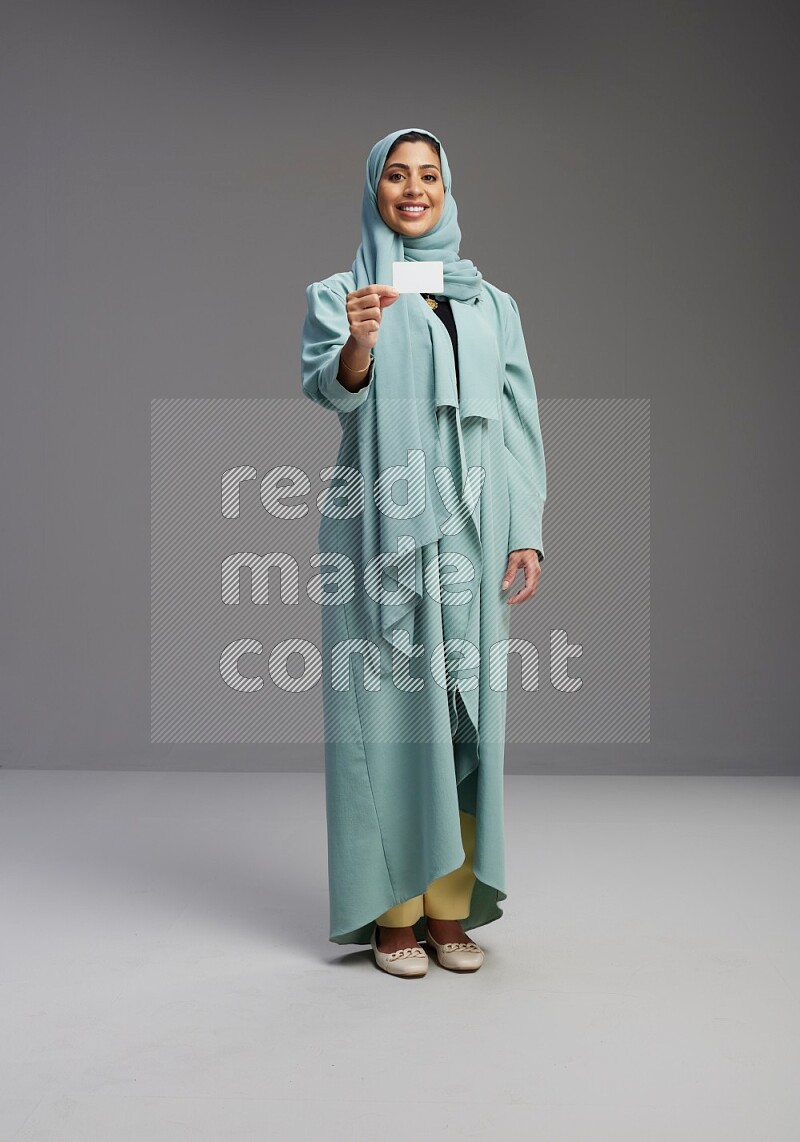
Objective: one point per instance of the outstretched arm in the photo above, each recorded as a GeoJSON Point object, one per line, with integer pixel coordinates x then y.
{"type": "Point", "coordinates": [339, 333]}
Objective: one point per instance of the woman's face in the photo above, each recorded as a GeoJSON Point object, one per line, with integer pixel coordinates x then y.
{"type": "Point", "coordinates": [411, 191]}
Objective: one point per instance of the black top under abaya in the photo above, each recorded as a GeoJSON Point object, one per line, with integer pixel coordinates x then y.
{"type": "Point", "coordinates": [444, 311]}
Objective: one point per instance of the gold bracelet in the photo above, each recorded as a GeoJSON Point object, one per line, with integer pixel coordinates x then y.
{"type": "Point", "coordinates": [355, 372]}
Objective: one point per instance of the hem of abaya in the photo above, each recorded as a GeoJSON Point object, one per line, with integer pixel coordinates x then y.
{"type": "Point", "coordinates": [489, 908]}
{"type": "Point", "coordinates": [363, 935]}
{"type": "Point", "coordinates": [489, 896]}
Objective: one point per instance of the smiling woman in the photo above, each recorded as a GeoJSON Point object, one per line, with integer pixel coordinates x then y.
{"type": "Point", "coordinates": [414, 774]}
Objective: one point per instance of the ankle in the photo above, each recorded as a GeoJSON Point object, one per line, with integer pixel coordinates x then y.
{"type": "Point", "coordinates": [390, 939]}
{"type": "Point", "coordinates": [445, 926]}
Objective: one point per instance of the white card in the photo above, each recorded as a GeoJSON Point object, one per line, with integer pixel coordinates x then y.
{"type": "Point", "coordinates": [418, 277]}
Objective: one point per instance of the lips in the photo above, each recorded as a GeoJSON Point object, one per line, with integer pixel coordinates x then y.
{"type": "Point", "coordinates": [412, 210]}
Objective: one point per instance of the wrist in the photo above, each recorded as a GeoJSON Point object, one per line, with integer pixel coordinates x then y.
{"type": "Point", "coordinates": [354, 366]}
{"type": "Point", "coordinates": [356, 358]}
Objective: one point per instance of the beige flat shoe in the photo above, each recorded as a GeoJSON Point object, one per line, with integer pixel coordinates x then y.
{"type": "Point", "coordinates": [456, 957]}
{"type": "Point", "coordinates": [405, 961]}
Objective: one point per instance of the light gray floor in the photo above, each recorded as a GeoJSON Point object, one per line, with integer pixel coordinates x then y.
{"type": "Point", "coordinates": [165, 971]}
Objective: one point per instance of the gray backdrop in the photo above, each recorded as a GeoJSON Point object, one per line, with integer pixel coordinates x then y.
{"type": "Point", "coordinates": [174, 175]}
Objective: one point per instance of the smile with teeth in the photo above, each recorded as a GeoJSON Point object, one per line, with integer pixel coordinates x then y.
{"type": "Point", "coordinates": [412, 208]}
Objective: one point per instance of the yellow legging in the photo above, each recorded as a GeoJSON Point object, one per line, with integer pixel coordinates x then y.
{"type": "Point", "coordinates": [446, 898]}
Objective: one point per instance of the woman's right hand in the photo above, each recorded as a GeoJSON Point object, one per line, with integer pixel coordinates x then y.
{"type": "Point", "coordinates": [365, 308]}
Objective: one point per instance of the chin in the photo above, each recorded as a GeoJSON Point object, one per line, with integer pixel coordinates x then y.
{"type": "Point", "coordinates": [416, 231]}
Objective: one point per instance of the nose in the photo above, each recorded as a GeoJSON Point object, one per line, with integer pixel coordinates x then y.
{"type": "Point", "coordinates": [413, 187]}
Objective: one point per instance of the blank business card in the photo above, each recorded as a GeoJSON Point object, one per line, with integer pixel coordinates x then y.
{"type": "Point", "coordinates": [418, 277]}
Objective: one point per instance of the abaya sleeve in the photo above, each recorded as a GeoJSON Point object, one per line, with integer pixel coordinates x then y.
{"type": "Point", "coordinates": [325, 332]}
{"type": "Point", "coordinates": [527, 477]}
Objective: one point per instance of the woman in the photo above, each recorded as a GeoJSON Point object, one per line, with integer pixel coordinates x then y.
{"type": "Point", "coordinates": [434, 505]}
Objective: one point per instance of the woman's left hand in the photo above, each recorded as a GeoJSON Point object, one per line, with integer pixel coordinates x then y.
{"type": "Point", "coordinates": [527, 559]}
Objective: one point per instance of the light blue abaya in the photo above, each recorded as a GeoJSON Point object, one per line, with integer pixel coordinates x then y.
{"type": "Point", "coordinates": [448, 482]}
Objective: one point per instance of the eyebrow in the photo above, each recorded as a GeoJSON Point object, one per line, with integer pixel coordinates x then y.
{"type": "Point", "coordinates": [406, 167]}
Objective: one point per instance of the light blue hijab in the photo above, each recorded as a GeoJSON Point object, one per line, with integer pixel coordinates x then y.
{"type": "Point", "coordinates": [380, 245]}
